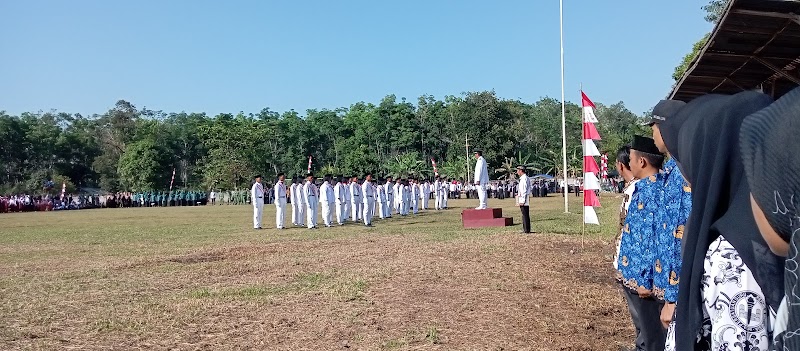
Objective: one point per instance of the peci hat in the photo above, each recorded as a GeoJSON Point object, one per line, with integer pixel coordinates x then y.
{"type": "Point", "coordinates": [644, 144]}
{"type": "Point", "coordinates": [522, 168]}
{"type": "Point", "coordinates": [665, 109]}
{"type": "Point", "coordinates": [771, 155]}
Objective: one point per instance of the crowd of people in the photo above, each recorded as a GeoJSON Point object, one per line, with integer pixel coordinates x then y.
{"type": "Point", "coordinates": [707, 250]}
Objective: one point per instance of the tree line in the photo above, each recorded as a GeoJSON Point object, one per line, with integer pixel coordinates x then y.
{"type": "Point", "coordinates": [132, 149]}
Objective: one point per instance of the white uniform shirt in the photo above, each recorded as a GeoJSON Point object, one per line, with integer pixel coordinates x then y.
{"type": "Point", "coordinates": [338, 193]}
{"type": "Point", "coordinates": [280, 191]}
{"type": "Point", "coordinates": [326, 192]}
{"type": "Point", "coordinates": [523, 190]}
{"type": "Point", "coordinates": [481, 172]}
{"type": "Point", "coordinates": [310, 192]}
{"type": "Point", "coordinates": [257, 193]}
{"type": "Point", "coordinates": [355, 192]}
{"type": "Point", "coordinates": [367, 191]}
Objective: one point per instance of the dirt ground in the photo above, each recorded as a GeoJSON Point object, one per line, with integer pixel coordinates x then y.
{"type": "Point", "coordinates": [148, 282]}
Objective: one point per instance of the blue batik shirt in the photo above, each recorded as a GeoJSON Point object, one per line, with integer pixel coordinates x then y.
{"type": "Point", "coordinates": [677, 204]}
{"type": "Point", "coordinates": [636, 252]}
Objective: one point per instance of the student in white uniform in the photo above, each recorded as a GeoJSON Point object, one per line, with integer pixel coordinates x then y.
{"type": "Point", "coordinates": [341, 204]}
{"type": "Point", "coordinates": [356, 203]}
{"type": "Point", "coordinates": [388, 187]}
{"type": "Point", "coordinates": [437, 187]}
{"type": "Point", "coordinates": [346, 192]}
{"type": "Point", "coordinates": [257, 194]}
{"type": "Point", "coordinates": [310, 194]}
{"type": "Point", "coordinates": [425, 194]}
{"type": "Point", "coordinates": [444, 192]}
{"type": "Point", "coordinates": [481, 179]}
{"type": "Point", "coordinates": [295, 193]}
{"type": "Point", "coordinates": [280, 201]}
{"type": "Point", "coordinates": [414, 190]}
{"type": "Point", "coordinates": [368, 195]}
{"type": "Point", "coordinates": [327, 200]}
{"type": "Point", "coordinates": [381, 199]}
{"type": "Point", "coordinates": [406, 198]}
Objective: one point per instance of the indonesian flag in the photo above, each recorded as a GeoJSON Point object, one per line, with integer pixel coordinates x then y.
{"type": "Point", "coordinates": [590, 167]}
{"type": "Point", "coordinates": [172, 180]}
{"type": "Point", "coordinates": [435, 170]}
{"type": "Point", "coordinates": [604, 166]}
{"type": "Point", "coordinates": [309, 165]}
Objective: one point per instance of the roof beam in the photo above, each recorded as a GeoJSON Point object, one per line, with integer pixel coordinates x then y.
{"type": "Point", "coordinates": [728, 54]}
{"type": "Point", "coordinates": [778, 70]}
{"type": "Point", "coordinates": [790, 16]}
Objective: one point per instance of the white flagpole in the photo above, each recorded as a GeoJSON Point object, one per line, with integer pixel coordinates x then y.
{"type": "Point", "coordinates": [563, 110]}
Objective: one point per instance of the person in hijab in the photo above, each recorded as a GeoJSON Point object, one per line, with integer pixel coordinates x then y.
{"type": "Point", "coordinates": [730, 281]}
{"type": "Point", "coordinates": [675, 210]}
{"type": "Point", "coordinates": [635, 263]}
{"type": "Point", "coordinates": [771, 155]}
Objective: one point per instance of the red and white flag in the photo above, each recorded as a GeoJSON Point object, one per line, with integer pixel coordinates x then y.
{"type": "Point", "coordinates": [604, 166]}
{"type": "Point", "coordinates": [590, 167]}
{"type": "Point", "coordinates": [435, 170]}
{"type": "Point", "coordinates": [63, 189]}
{"type": "Point", "coordinates": [172, 180]}
{"type": "Point", "coordinates": [309, 165]}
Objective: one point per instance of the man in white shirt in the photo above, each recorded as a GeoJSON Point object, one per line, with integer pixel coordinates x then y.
{"type": "Point", "coordinates": [398, 195]}
{"type": "Point", "coordinates": [327, 200]}
{"type": "Point", "coordinates": [310, 195]}
{"type": "Point", "coordinates": [437, 188]}
{"type": "Point", "coordinates": [380, 194]}
{"type": "Point", "coordinates": [341, 204]}
{"type": "Point", "coordinates": [356, 202]}
{"type": "Point", "coordinates": [257, 194]}
{"type": "Point", "coordinates": [347, 197]}
{"type": "Point", "coordinates": [298, 201]}
{"type": "Point", "coordinates": [523, 195]}
{"type": "Point", "coordinates": [425, 194]}
{"type": "Point", "coordinates": [213, 197]}
{"type": "Point", "coordinates": [481, 179]}
{"type": "Point", "coordinates": [280, 201]}
{"type": "Point", "coordinates": [444, 192]}
{"type": "Point", "coordinates": [368, 195]}
{"type": "Point", "coordinates": [388, 187]}
{"type": "Point", "coordinates": [414, 189]}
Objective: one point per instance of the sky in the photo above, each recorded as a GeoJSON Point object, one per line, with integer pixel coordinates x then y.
{"type": "Point", "coordinates": [229, 56]}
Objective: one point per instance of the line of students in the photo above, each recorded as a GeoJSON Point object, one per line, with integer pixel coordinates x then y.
{"type": "Point", "coordinates": [347, 198]}
{"type": "Point", "coordinates": [704, 236]}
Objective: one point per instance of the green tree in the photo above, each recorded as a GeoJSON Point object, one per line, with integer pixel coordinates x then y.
{"type": "Point", "coordinates": [144, 166]}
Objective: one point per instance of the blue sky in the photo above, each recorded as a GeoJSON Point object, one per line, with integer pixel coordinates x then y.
{"type": "Point", "coordinates": [215, 56]}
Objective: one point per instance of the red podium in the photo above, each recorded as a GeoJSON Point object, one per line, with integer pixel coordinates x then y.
{"type": "Point", "coordinates": [490, 217]}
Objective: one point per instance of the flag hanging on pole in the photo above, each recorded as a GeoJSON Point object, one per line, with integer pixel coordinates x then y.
{"type": "Point", "coordinates": [172, 180]}
{"type": "Point", "coordinates": [590, 167]}
{"type": "Point", "coordinates": [604, 166]}
{"type": "Point", "coordinates": [435, 170]}
{"type": "Point", "coordinates": [309, 165]}
{"type": "Point", "coordinates": [63, 189]}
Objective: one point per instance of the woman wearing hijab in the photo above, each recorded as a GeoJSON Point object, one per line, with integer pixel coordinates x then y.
{"type": "Point", "coordinates": [730, 283]}
{"type": "Point", "coordinates": [771, 154]}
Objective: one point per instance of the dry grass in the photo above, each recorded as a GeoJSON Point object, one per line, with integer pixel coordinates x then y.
{"type": "Point", "coordinates": [200, 279]}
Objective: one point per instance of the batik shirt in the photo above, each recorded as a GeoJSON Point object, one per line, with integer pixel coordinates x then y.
{"type": "Point", "coordinates": [636, 252]}
{"type": "Point", "coordinates": [676, 206]}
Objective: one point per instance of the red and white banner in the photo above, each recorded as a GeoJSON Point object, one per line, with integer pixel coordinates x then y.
{"type": "Point", "coordinates": [309, 165]}
{"type": "Point", "coordinates": [172, 180]}
{"type": "Point", "coordinates": [590, 167]}
{"type": "Point", "coordinates": [435, 170]}
{"type": "Point", "coordinates": [604, 166]}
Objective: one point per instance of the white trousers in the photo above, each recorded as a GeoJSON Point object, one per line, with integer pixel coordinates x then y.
{"type": "Point", "coordinates": [346, 213]}
{"type": "Point", "coordinates": [425, 201]}
{"type": "Point", "coordinates": [341, 212]}
{"type": "Point", "coordinates": [280, 212]}
{"type": "Point", "coordinates": [258, 210]}
{"type": "Point", "coordinates": [382, 209]}
{"type": "Point", "coordinates": [355, 211]}
{"type": "Point", "coordinates": [327, 215]}
{"type": "Point", "coordinates": [299, 213]}
{"type": "Point", "coordinates": [369, 211]}
{"type": "Point", "coordinates": [482, 197]}
{"type": "Point", "coordinates": [311, 214]}
{"type": "Point", "coordinates": [415, 206]}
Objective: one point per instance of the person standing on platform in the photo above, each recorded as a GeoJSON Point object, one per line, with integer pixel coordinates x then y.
{"type": "Point", "coordinates": [523, 195]}
{"type": "Point", "coordinates": [311, 194]}
{"type": "Point", "coordinates": [327, 200]}
{"type": "Point", "coordinates": [280, 201]}
{"type": "Point", "coordinates": [338, 193]}
{"type": "Point", "coordinates": [481, 180]}
{"type": "Point", "coordinates": [258, 202]}
{"type": "Point", "coordinates": [368, 196]}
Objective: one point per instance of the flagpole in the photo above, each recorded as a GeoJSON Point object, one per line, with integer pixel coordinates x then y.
{"type": "Point", "coordinates": [583, 168]}
{"type": "Point", "coordinates": [563, 110]}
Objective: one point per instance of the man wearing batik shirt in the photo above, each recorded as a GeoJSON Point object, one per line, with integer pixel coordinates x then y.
{"type": "Point", "coordinates": [676, 208]}
{"type": "Point", "coordinates": [636, 255]}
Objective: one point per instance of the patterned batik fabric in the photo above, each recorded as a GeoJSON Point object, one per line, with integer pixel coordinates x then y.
{"type": "Point", "coordinates": [735, 313]}
{"type": "Point", "coordinates": [677, 205]}
{"type": "Point", "coordinates": [636, 253]}
{"type": "Point", "coordinates": [627, 194]}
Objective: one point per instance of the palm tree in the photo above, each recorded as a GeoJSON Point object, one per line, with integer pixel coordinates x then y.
{"type": "Point", "coordinates": [406, 165]}
{"type": "Point", "coordinates": [329, 169]}
{"type": "Point", "coordinates": [507, 169]}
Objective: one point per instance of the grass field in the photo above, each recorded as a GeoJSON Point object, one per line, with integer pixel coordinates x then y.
{"type": "Point", "coordinates": [198, 278]}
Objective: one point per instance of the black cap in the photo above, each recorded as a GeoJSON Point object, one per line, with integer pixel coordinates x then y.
{"type": "Point", "coordinates": [665, 109]}
{"type": "Point", "coordinates": [477, 151]}
{"type": "Point", "coordinates": [257, 176]}
{"type": "Point", "coordinates": [645, 144]}
{"type": "Point", "coordinates": [521, 168]}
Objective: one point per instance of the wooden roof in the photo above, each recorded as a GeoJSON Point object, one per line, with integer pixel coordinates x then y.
{"type": "Point", "coordinates": [755, 45]}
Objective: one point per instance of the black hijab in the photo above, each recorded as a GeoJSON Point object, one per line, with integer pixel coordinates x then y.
{"type": "Point", "coordinates": [710, 160]}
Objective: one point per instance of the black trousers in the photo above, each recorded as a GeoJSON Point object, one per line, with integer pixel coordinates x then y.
{"type": "Point", "coordinates": [526, 218]}
{"type": "Point", "coordinates": [646, 316]}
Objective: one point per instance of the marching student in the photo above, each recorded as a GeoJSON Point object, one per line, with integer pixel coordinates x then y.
{"type": "Point", "coordinates": [368, 194]}
{"type": "Point", "coordinates": [310, 194]}
{"type": "Point", "coordinates": [380, 193]}
{"type": "Point", "coordinates": [346, 192]}
{"type": "Point", "coordinates": [398, 195]}
{"type": "Point", "coordinates": [295, 192]}
{"type": "Point", "coordinates": [327, 200]}
{"type": "Point", "coordinates": [414, 190]}
{"type": "Point", "coordinates": [356, 202]}
{"type": "Point", "coordinates": [280, 201]}
{"type": "Point", "coordinates": [258, 202]}
{"type": "Point", "coordinates": [636, 261]}
{"type": "Point", "coordinates": [437, 188]}
{"type": "Point", "coordinates": [425, 194]}
{"type": "Point", "coordinates": [444, 192]}
{"type": "Point", "coordinates": [339, 194]}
